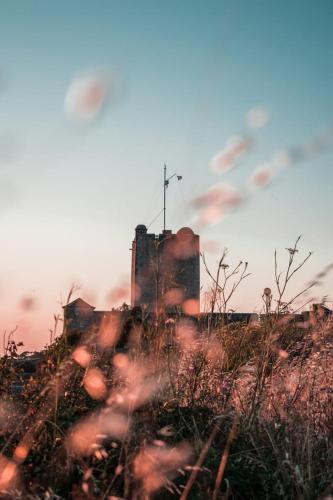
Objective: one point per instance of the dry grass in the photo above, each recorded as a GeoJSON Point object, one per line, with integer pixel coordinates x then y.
{"type": "Point", "coordinates": [244, 411]}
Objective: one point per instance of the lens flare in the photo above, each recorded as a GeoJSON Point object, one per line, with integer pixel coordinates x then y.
{"type": "Point", "coordinates": [81, 356]}
{"type": "Point", "coordinates": [154, 466]}
{"type": "Point", "coordinates": [21, 452]}
{"type": "Point", "coordinates": [226, 159]}
{"type": "Point", "coordinates": [8, 474]}
{"type": "Point", "coordinates": [94, 383]}
{"type": "Point", "coordinates": [173, 297]}
{"type": "Point", "coordinates": [85, 98]}
{"type": "Point", "coordinates": [109, 331]}
{"type": "Point", "coordinates": [120, 292]}
{"type": "Point", "coordinates": [87, 436]}
{"type": "Point", "coordinates": [191, 307]}
{"type": "Point", "coordinates": [262, 176]}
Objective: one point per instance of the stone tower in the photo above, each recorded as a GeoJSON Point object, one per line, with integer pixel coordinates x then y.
{"type": "Point", "coordinates": [165, 270]}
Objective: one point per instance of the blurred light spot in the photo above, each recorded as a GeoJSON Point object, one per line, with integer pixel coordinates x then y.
{"type": "Point", "coordinates": [262, 175]}
{"type": "Point", "coordinates": [219, 195]}
{"type": "Point", "coordinates": [28, 303]}
{"type": "Point", "coordinates": [8, 474]}
{"type": "Point", "coordinates": [217, 200]}
{"type": "Point", "coordinates": [136, 394]}
{"type": "Point", "coordinates": [94, 383]}
{"type": "Point", "coordinates": [158, 442]}
{"type": "Point", "coordinates": [118, 293]}
{"type": "Point", "coordinates": [21, 452]}
{"type": "Point", "coordinates": [210, 216]}
{"type": "Point", "coordinates": [156, 465]}
{"type": "Point", "coordinates": [109, 331]}
{"type": "Point", "coordinates": [185, 245]}
{"type": "Point", "coordinates": [191, 307]}
{"type": "Point", "coordinates": [226, 159]}
{"type": "Point", "coordinates": [166, 431]}
{"type": "Point", "coordinates": [120, 361]}
{"type": "Point", "coordinates": [81, 356]}
{"type": "Point", "coordinates": [86, 436]}
{"type": "Point", "coordinates": [173, 297]}
{"type": "Point", "coordinates": [138, 382]}
{"type": "Point", "coordinates": [85, 488]}
{"type": "Point", "coordinates": [257, 117]}
{"type": "Point", "coordinates": [85, 97]}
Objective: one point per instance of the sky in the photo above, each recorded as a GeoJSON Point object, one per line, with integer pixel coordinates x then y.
{"type": "Point", "coordinates": [182, 78]}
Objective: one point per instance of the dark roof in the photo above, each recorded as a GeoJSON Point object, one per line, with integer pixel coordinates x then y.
{"type": "Point", "coordinates": [80, 303]}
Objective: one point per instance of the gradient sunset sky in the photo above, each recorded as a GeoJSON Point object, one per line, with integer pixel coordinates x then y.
{"type": "Point", "coordinates": [187, 73]}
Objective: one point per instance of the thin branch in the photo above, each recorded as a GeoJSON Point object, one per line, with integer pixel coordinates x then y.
{"type": "Point", "coordinates": [200, 461]}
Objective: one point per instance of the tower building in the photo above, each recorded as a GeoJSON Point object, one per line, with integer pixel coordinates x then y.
{"type": "Point", "coordinates": [165, 270]}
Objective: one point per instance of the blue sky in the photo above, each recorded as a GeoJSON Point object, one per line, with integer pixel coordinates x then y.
{"type": "Point", "coordinates": [188, 73]}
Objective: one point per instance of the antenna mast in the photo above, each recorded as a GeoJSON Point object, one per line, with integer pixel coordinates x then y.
{"type": "Point", "coordinates": [165, 185]}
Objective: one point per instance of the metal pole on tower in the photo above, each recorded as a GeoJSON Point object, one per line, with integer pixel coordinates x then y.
{"type": "Point", "coordinates": [165, 185]}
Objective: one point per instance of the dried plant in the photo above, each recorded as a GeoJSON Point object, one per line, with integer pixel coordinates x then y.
{"type": "Point", "coordinates": [225, 282]}
{"type": "Point", "coordinates": [282, 279]}
{"type": "Point", "coordinates": [235, 411]}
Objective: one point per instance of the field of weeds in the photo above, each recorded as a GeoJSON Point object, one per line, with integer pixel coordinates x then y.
{"type": "Point", "coordinates": [176, 406]}
{"type": "Point", "coordinates": [235, 411]}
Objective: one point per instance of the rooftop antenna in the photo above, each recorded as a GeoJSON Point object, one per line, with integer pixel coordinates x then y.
{"type": "Point", "coordinates": [165, 185]}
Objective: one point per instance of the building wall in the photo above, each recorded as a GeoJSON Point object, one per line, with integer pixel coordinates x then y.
{"type": "Point", "coordinates": [144, 271]}
{"type": "Point", "coordinates": [162, 264]}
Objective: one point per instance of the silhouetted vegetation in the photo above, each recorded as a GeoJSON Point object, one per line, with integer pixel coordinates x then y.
{"type": "Point", "coordinates": [235, 411]}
